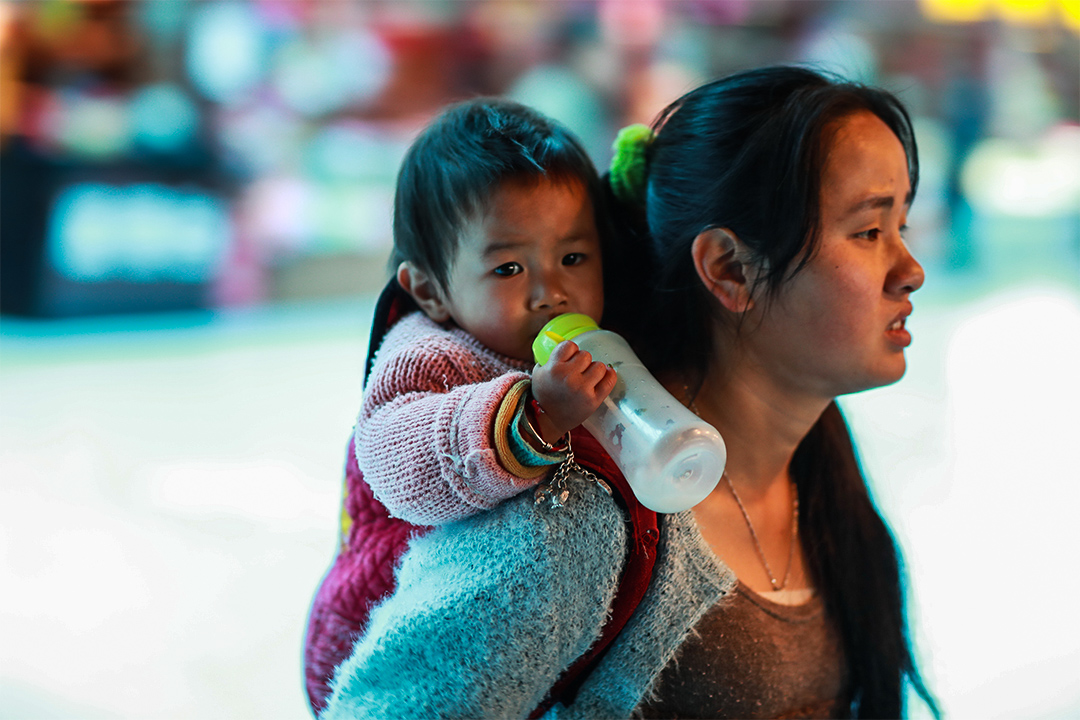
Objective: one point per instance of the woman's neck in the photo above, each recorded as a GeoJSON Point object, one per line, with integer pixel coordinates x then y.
{"type": "Point", "coordinates": [761, 422]}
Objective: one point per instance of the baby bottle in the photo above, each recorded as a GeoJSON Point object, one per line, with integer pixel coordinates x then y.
{"type": "Point", "coordinates": [671, 457]}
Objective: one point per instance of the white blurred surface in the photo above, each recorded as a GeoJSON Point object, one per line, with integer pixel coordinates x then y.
{"type": "Point", "coordinates": [168, 506]}
{"type": "Point", "coordinates": [972, 460]}
{"type": "Point", "coordinates": [170, 494]}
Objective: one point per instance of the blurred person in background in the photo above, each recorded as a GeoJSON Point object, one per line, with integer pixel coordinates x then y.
{"type": "Point", "coordinates": [770, 207]}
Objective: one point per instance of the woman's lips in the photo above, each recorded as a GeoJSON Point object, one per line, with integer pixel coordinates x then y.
{"type": "Point", "coordinates": [897, 333]}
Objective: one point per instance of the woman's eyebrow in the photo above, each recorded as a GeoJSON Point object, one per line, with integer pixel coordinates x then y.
{"type": "Point", "coordinates": [876, 202]}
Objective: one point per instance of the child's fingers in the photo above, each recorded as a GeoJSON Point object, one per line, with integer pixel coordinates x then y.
{"type": "Point", "coordinates": [607, 382]}
{"type": "Point", "coordinates": [572, 364]}
{"type": "Point", "coordinates": [597, 376]}
{"type": "Point", "coordinates": [564, 351]}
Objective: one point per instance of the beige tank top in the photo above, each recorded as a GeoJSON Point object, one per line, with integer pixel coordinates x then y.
{"type": "Point", "coordinates": [749, 657]}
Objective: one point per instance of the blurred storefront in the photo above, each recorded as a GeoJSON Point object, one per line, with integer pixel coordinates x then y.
{"type": "Point", "coordinates": [176, 154]}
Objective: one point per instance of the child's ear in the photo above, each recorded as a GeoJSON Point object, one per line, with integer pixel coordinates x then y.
{"type": "Point", "coordinates": [424, 290]}
{"type": "Point", "coordinates": [719, 257]}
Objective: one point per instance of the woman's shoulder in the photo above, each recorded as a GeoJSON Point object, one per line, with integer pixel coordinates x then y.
{"type": "Point", "coordinates": [524, 543]}
{"type": "Point", "coordinates": [508, 598]}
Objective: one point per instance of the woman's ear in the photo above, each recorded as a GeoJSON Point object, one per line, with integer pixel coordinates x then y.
{"type": "Point", "coordinates": [719, 258]}
{"type": "Point", "coordinates": [424, 290]}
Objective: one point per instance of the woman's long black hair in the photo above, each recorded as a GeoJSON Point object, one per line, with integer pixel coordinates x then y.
{"type": "Point", "coordinates": [747, 153]}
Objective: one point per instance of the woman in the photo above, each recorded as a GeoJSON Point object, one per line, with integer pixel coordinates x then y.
{"type": "Point", "coordinates": [771, 205]}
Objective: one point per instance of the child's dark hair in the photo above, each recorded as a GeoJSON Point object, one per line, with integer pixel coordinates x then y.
{"type": "Point", "coordinates": [747, 152]}
{"type": "Point", "coordinates": [456, 163]}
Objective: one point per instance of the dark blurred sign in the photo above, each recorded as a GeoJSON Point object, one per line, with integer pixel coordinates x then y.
{"type": "Point", "coordinates": [78, 239]}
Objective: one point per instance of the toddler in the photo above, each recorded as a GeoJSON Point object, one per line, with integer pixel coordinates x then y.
{"type": "Point", "coordinates": [495, 233]}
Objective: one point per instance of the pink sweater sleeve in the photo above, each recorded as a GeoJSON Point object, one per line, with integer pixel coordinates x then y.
{"type": "Point", "coordinates": [424, 439]}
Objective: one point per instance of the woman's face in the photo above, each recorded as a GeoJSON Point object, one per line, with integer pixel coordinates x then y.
{"type": "Point", "coordinates": [838, 326]}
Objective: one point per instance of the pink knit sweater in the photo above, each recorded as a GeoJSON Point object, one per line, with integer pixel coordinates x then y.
{"type": "Point", "coordinates": [424, 438]}
{"type": "Point", "coordinates": [424, 447]}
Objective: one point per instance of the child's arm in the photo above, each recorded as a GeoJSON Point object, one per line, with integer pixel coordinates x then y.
{"type": "Point", "coordinates": [437, 446]}
{"type": "Point", "coordinates": [424, 438]}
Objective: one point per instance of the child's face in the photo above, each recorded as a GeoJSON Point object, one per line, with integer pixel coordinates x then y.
{"type": "Point", "coordinates": [532, 254]}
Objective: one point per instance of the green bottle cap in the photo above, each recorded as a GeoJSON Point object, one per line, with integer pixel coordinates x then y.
{"type": "Point", "coordinates": [564, 327]}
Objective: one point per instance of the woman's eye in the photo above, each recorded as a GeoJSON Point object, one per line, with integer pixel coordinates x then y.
{"type": "Point", "coordinates": [508, 269]}
{"type": "Point", "coordinates": [871, 234]}
{"type": "Point", "coordinates": [573, 259]}
{"type": "Point", "coordinates": [903, 231]}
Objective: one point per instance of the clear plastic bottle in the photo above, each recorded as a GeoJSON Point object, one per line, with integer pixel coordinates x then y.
{"type": "Point", "coordinates": [672, 458]}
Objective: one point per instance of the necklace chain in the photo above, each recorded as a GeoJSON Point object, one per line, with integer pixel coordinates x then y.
{"type": "Point", "coordinates": [750, 525]}
{"type": "Point", "coordinates": [757, 543]}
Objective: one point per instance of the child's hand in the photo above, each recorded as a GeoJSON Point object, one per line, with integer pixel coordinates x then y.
{"type": "Point", "coordinates": [568, 387]}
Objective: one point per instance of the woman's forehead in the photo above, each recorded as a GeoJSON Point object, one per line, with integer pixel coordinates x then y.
{"type": "Point", "coordinates": [866, 158]}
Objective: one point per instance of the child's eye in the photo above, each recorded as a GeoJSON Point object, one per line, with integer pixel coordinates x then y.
{"type": "Point", "coordinates": [508, 269]}
{"type": "Point", "coordinates": [573, 259]}
{"type": "Point", "coordinates": [903, 231]}
{"type": "Point", "coordinates": [871, 234]}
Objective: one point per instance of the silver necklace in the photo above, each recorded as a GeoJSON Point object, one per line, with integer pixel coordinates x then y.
{"type": "Point", "coordinates": [757, 544]}
{"type": "Point", "coordinates": [746, 516]}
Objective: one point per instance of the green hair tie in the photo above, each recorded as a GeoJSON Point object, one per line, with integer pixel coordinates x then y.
{"type": "Point", "coordinates": [628, 172]}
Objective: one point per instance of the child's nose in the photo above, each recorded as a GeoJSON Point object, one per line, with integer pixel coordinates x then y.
{"type": "Point", "coordinates": [549, 293]}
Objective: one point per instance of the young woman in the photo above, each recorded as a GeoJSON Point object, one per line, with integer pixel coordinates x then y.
{"type": "Point", "coordinates": [770, 207]}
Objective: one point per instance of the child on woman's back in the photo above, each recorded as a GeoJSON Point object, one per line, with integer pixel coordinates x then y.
{"type": "Point", "coordinates": [495, 233]}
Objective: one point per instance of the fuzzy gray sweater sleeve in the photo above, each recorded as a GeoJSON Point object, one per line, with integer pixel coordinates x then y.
{"type": "Point", "coordinates": [489, 611]}
{"type": "Point", "coordinates": [467, 634]}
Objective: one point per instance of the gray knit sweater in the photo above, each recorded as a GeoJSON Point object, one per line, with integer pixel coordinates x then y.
{"type": "Point", "coordinates": [489, 611]}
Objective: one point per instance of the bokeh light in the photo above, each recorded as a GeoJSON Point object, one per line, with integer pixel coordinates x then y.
{"type": "Point", "coordinates": [226, 52]}
{"type": "Point", "coordinates": [163, 118]}
{"type": "Point", "coordinates": [91, 125]}
{"type": "Point", "coordinates": [142, 233]}
{"type": "Point", "coordinates": [319, 76]}
{"type": "Point", "coordinates": [1026, 179]}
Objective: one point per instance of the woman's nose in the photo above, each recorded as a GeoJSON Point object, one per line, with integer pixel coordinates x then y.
{"type": "Point", "coordinates": [907, 274]}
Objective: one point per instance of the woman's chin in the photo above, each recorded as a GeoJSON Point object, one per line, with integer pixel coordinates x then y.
{"type": "Point", "coordinates": [879, 377]}
{"type": "Point", "coordinates": [889, 375]}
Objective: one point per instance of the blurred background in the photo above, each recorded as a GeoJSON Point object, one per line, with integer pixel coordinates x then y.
{"type": "Point", "coordinates": [195, 219]}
